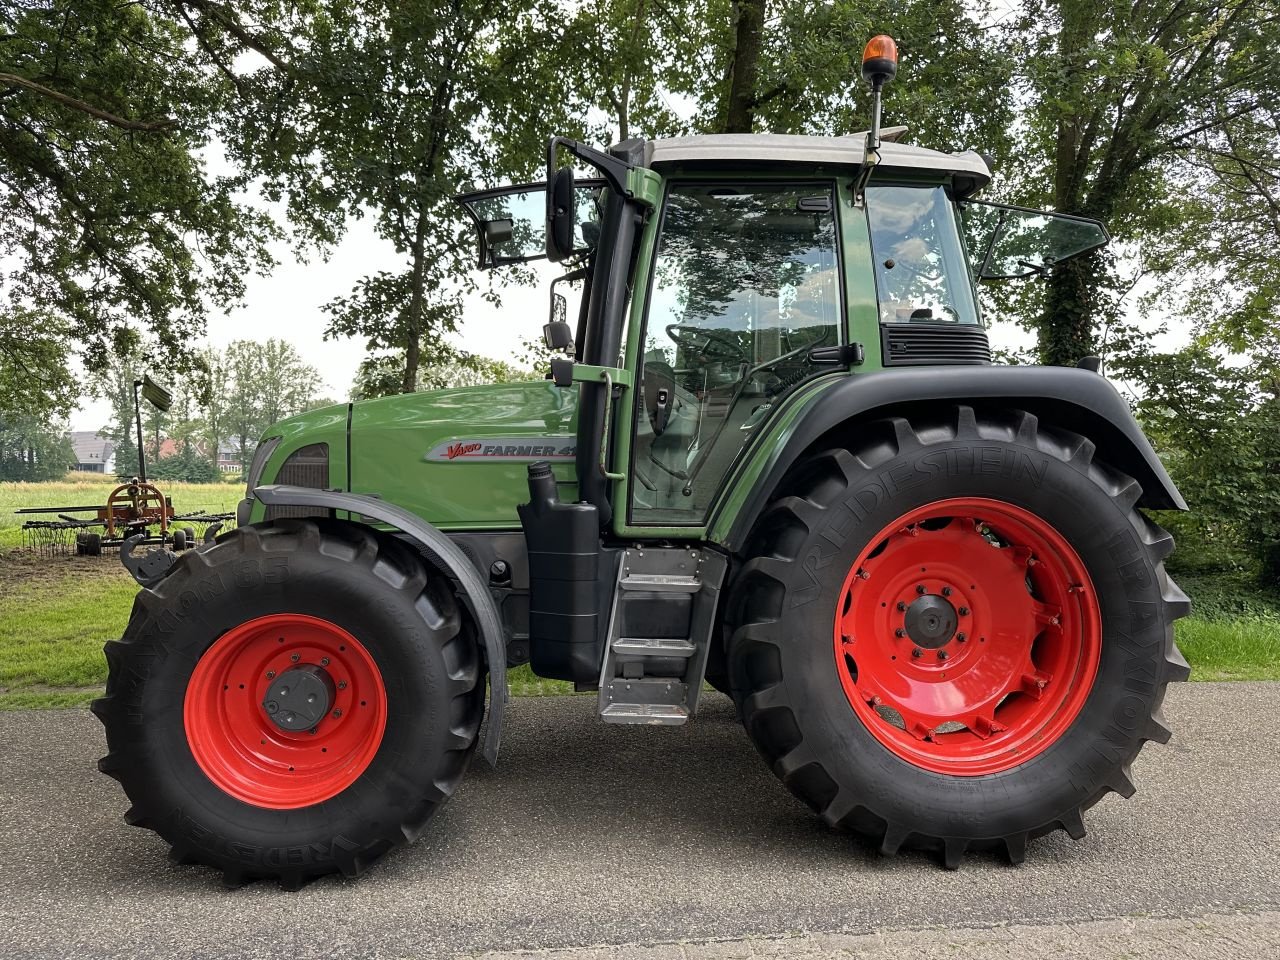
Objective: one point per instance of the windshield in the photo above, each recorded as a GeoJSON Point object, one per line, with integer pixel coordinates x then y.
{"type": "Point", "coordinates": [1012, 242]}
{"type": "Point", "coordinates": [922, 274]}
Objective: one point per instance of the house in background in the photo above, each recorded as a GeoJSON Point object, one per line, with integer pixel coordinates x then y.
{"type": "Point", "coordinates": [229, 457]}
{"type": "Point", "coordinates": [94, 454]}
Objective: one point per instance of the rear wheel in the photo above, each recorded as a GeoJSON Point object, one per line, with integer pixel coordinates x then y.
{"type": "Point", "coordinates": [956, 634]}
{"type": "Point", "coordinates": [294, 701]}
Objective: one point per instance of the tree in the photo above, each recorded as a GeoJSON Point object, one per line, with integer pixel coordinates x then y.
{"type": "Point", "coordinates": [34, 377]}
{"type": "Point", "coordinates": [31, 449]}
{"type": "Point", "coordinates": [265, 382]}
{"type": "Point", "coordinates": [106, 206]}
{"type": "Point", "coordinates": [1145, 116]}
{"type": "Point", "coordinates": [392, 109]}
{"type": "Point", "coordinates": [1214, 424]}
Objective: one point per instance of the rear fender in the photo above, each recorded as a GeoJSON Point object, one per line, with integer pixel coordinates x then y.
{"type": "Point", "coordinates": [1076, 399]}
{"type": "Point", "coordinates": [446, 556]}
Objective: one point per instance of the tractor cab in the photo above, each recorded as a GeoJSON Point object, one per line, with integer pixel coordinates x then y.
{"type": "Point", "coordinates": [724, 274]}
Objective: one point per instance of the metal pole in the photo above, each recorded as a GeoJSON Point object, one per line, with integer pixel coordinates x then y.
{"type": "Point", "coordinates": [137, 413]}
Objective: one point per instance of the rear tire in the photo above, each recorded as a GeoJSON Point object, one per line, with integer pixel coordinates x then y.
{"type": "Point", "coordinates": [846, 709]}
{"type": "Point", "coordinates": [207, 768]}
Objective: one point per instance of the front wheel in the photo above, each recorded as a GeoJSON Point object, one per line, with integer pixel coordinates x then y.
{"type": "Point", "coordinates": [294, 701]}
{"type": "Point", "coordinates": [955, 634]}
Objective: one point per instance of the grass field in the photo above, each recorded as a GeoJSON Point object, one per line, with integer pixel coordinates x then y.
{"type": "Point", "coordinates": [56, 612]}
{"type": "Point", "coordinates": [91, 489]}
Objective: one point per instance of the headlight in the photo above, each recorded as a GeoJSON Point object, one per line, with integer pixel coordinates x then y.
{"type": "Point", "coordinates": [260, 458]}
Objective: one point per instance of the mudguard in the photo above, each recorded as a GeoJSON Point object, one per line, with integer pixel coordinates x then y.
{"type": "Point", "coordinates": [1077, 399]}
{"type": "Point", "coordinates": [445, 554]}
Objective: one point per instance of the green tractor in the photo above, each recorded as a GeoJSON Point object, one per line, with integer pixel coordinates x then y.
{"type": "Point", "coordinates": [772, 457]}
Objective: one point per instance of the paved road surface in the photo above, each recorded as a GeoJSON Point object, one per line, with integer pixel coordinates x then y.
{"type": "Point", "coordinates": [676, 842]}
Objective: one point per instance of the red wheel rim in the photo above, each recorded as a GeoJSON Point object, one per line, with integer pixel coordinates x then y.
{"type": "Point", "coordinates": [992, 683]}
{"type": "Point", "coordinates": [248, 754]}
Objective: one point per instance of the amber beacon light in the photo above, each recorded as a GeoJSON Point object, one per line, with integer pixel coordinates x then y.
{"type": "Point", "coordinates": [879, 60]}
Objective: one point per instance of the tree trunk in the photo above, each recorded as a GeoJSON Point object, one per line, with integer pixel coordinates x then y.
{"type": "Point", "coordinates": [740, 99]}
{"type": "Point", "coordinates": [1066, 324]}
{"type": "Point", "coordinates": [1066, 328]}
{"type": "Point", "coordinates": [413, 315]}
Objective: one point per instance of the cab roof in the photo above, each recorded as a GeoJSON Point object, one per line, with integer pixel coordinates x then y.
{"type": "Point", "coordinates": [968, 169]}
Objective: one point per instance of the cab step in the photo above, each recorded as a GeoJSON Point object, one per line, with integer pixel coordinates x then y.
{"type": "Point", "coordinates": [660, 630]}
{"type": "Point", "coordinates": [655, 714]}
{"type": "Point", "coordinates": [660, 583]}
{"type": "Point", "coordinates": [653, 647]}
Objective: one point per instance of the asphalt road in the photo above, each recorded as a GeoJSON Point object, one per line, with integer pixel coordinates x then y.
{"type": "Point", "coordinates": [591, 834]}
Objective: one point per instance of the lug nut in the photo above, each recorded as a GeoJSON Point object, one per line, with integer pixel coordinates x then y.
{"type": "Point", "coordinates": [324, 661]}
{"type": "Point", "coordinates": [342, 684]}
{"type": "Point", "coordinates": [963, 611]}
{"type": "Point", "coordinates": [946, 591]}
{"type": "Point", "coordinates": [899, 632]}
{"type": "Point", "coordinates": [942, 654]}
{"type": "Point", "coordinates": [961, 637]}
{"type": "Point", "coordinates": [271, 674]}
{"type": "Point", "coordinates": [920, 588]}
{"type": "Point", "coordinates": [337, 714]}
{"type": "Point", "coordinates": [296, 657]}
{"type": "Point", "coordinates": [917, 653]}
{"type": "Point", "coordinates": [901, 606]}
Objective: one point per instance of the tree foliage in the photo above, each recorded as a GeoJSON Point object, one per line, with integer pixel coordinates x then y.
{"type": "Point", "coordinates": [109, 217]}
{"type": "Point", "coordinates": [1159, 119]}
{"type": "Point", "coordinates": [389, 109]}
{"type": "Point", "coordinates": [32, 449]}
{"type": "Point", "coordinates": [381, 375]}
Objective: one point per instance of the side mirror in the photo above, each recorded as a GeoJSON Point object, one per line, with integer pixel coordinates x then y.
{"type": "Point", "coordinates": [556, 333]}
{"type": "Point", "coordinates": [557, 336]}
{"type": "Point", "coordinates": [561, 216]}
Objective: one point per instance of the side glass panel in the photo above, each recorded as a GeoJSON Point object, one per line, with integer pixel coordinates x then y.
{"type": "Point", "coordinates": [512, 221]}
{"type": "Point", "coordinates": [921, 271]}
{"type": "Point", "coordinates": [746, 283]}
{"type": "Point", "coordinates": [1007, 243]}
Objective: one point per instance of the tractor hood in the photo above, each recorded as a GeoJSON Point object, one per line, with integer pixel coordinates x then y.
{"type": "Point", "coordinates": [459, 457]}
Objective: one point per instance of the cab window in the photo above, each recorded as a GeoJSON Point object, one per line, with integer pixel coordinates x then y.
{"type": "Point", "coordinates": [922, 274]}
{"type": "Point", "coordinates": [745, 286]}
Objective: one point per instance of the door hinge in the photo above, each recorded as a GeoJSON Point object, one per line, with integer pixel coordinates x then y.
{"type": "Point", "coordinates": [845, 355]}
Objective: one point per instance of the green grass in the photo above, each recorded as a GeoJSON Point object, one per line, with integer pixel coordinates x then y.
{"type": "Point", "coordinates": [56, 613]}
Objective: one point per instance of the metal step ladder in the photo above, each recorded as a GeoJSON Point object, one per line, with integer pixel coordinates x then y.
{"type": "Point", "coordinates": [674, 592]}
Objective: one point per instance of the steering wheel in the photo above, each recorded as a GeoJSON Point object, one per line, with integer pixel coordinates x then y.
{"type": "Point", "coordinates": [688, 338]}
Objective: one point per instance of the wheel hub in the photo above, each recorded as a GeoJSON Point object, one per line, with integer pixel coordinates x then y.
{"type": "Point", "coordinates": [300, 698]}
{"type": "Point", "coordinates": [285, 710]}
{"type": "Point", "coordinates": [967, 636]}
{"type": "Point", "coordinates": [931, 621]}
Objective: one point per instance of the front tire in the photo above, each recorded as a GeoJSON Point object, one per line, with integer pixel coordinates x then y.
{"type": "Point", "coordinates": [217, 760]}
{"type": "Point", "coordinates": [956, 633]}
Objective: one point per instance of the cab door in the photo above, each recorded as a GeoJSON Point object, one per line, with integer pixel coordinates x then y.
{"type": "Point", "coordinates": [744, 305]}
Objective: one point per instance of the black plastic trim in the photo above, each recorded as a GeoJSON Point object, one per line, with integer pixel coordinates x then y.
{"type": "Point", "coordinates": [1076, 399]}
{"type": "Point", "coordinates": [448, 557]}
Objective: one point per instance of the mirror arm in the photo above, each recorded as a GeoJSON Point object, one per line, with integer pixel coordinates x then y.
{"type": "Point", "coordinates": [611, 168]}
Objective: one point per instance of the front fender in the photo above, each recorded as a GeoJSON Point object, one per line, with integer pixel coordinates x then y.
{"type": "Point", "coordinates": [1075, 399]}
{"type": "Point", "coordinates": [445, 554]}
